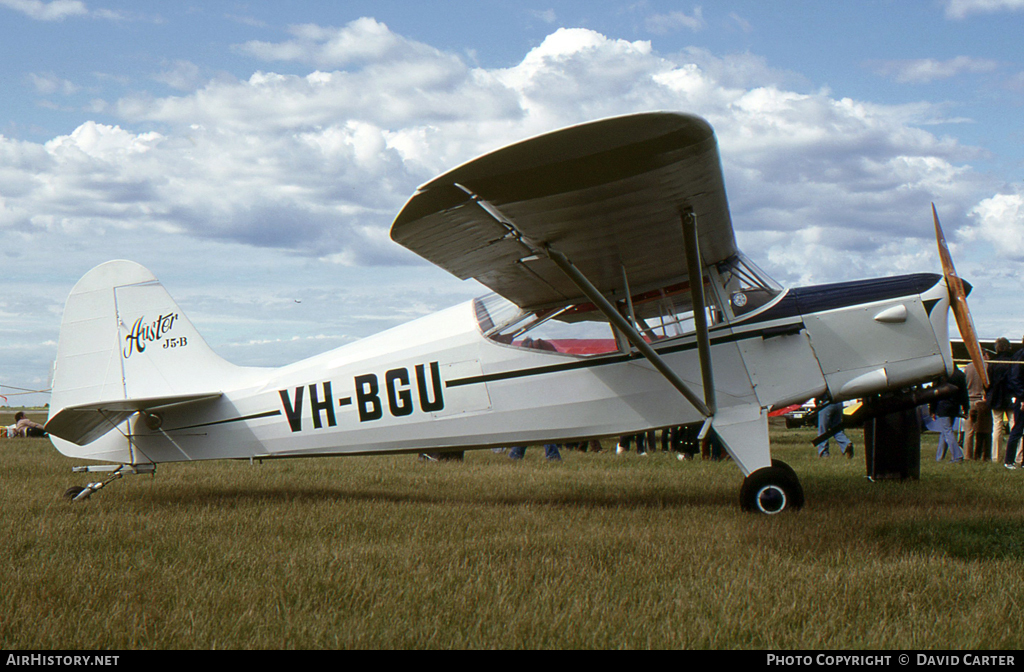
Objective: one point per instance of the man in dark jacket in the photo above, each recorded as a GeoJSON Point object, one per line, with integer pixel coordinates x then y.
{"type": "Point", "coordinates": [998, 396]}
{"type": "Point", "coordinates": [945, 411]}
{"type": "Point", "coordinates": [1015, 385]}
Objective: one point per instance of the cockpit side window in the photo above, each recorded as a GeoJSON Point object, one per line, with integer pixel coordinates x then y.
{"type": "Point", "coordinates": [733, 288]}
{"type": "Point", "coordinates": [567, 329]}
{"type": "Point", "coordinates": [581, 329]}
{"type": "Point", "coordinates": [670, 317]}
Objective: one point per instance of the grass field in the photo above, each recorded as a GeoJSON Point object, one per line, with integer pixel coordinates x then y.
{"type": "Point", "coordinates": [597, 551]}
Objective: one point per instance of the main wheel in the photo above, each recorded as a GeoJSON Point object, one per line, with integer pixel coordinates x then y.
{"type": "Point", "coordinates": [772, 490]}
{"type": "Point", "coordinates": [779, 464]}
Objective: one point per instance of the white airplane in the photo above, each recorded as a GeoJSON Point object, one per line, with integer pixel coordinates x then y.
{"type": "Point", "coordinates": [590, 238]}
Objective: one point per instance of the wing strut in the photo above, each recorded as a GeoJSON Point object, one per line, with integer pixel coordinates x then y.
{"type": "Point", "coordinates": [700, 316]}
{"type": "Point", "coordinates": [625, 327]}
{"type": "Point", "coordinates": [613, 315]}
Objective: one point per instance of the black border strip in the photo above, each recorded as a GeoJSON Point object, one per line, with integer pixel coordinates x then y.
{"type": "Point", "coordinates": [265, 414]}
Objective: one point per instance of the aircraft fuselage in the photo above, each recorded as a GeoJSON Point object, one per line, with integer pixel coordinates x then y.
{"type": "Point", "coordinates": [438, 383]}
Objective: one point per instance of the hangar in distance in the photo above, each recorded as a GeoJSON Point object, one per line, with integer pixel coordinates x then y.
{"type": "Point", "coordinates": [621, 303]}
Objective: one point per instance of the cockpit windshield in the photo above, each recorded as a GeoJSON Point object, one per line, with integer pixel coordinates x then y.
{"type": "Point", "coordinates": [746, 286]}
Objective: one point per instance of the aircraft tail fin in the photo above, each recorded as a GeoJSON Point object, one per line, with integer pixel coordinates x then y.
{"type": "Point", "coordinates": [125, 345]}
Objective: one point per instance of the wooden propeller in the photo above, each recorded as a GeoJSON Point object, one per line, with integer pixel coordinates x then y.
{"type": "Point", "coordinates": [958, 302]}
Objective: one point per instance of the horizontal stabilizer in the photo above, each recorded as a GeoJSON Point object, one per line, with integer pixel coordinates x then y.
{"type": "Point", "coordinates": [84, 423]}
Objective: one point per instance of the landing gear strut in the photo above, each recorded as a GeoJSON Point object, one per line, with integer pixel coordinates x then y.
{"type": "Point", "coordinates": [77, 493]}
{"type": "Point", "coordinates": [772, 490]}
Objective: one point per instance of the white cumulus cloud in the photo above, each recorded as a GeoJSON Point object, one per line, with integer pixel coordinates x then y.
{"type": "Point", "coordinates": [55, 10]}
{"type": "Point", "coordinates": [673, 21]}
{"type": "Point", "coordinates": [999, 220]}
{"type": "Point", "coordinates": [960, 9]}
{"type": "Point", "coordinates": [924, 70]}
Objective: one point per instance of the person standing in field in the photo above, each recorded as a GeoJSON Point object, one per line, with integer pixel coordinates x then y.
{"type": "Point", "coordinates": [551, 452]}
{"type": "Point", "coordinates": [946, 411]}
{"type": "Point", "coordinates": [829, 417]}
{"type": "Point", "coordinates": [998, 397]}
{"type": "Point", "coordinates": [1015, 384]}
{"type": "Point", "coordinates": [978, 436]}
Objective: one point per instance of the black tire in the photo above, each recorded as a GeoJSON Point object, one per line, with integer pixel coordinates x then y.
{"type": "Point", "coordinates": [73, 492]}
{"type": "Point", "coordinates": [779, 464]}
{"type": "Point", "coordinates": [772, 490]}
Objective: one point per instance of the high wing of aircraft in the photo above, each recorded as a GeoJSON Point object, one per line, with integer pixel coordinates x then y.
{"type": "Point", "coordinates": [620, 304]}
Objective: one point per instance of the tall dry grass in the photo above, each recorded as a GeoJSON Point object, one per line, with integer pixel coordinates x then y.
{"type": "Point", "coordinates": [597, 551]}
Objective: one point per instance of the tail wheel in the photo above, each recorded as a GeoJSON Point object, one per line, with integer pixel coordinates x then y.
{"type": "Point", "coordinates": [72, 492]}
{"type": "Point", "coordinates": [772, 490]}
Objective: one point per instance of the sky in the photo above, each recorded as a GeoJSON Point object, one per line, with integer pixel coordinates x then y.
{"type": "Point", "coordinates": [253, 154]}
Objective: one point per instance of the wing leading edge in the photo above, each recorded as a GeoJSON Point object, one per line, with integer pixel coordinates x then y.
{"type": "Point", "coordinates": [608, 195]}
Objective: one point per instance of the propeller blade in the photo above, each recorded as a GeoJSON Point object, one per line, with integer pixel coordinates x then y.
{"type": "Point", "coordinates": [958, 302]}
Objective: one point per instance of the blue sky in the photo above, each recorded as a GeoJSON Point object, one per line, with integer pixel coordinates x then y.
{"type": "Point", "coordinates": [254, 153]}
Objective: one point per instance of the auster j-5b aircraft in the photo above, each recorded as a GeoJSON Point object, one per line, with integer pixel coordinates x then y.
{"type": "Point", "coordinates": [620, 303]}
